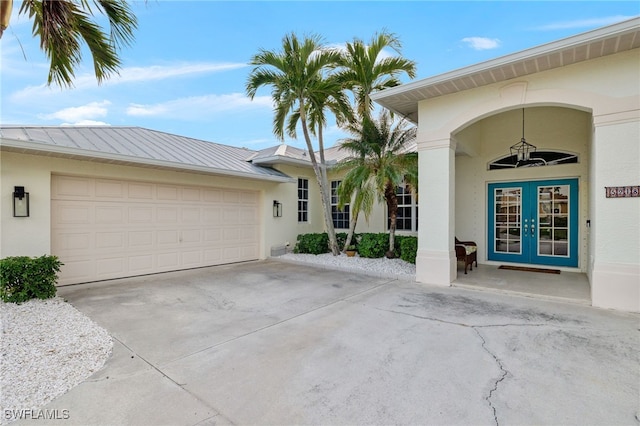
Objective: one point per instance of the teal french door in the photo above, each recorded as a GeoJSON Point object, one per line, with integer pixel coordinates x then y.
{"type": "Point", "coordinates": [534, 222]}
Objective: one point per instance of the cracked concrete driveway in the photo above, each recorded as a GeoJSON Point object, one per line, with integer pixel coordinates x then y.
{"type": "Point", "coordinates": [281, 344]}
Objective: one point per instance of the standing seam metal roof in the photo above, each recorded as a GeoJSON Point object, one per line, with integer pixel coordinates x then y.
{"type": "Point", "coordinates": [136, 145]}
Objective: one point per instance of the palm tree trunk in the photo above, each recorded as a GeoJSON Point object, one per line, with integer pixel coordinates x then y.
{"type": "Point", "coordinates": [392, 206]}
{"type": "Point", "coordinates": [5, 14]}
{"type": "Point", "coordinates": [331, 231]}
{"type": "Point", "coordinates": [323, 181]}
{"type": "Point", "coordinates": [352, 225]}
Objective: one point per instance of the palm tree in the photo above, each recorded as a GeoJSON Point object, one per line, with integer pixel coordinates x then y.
{"type": "Point", "coordinates": [380, 162]}
{"type": "Point", "coordinates": [62, 26]}
{"type": "Point", "coordinates": [302, 92]}
{"type": "Point", "coordinates": [363, 69]}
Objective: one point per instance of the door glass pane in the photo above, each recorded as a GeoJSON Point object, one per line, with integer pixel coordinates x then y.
{"type": "Point", "coordinates": [553, 220]}
{"type": "Point", "coordinates": [507, 211]}
{"type": "Point", "coordinates": [560, 249]}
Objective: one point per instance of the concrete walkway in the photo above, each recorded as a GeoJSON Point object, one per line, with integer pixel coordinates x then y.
{"type": "Point", "coordinates": [569, 287]}
{"type": "Point", "coordinates": [279, 344]}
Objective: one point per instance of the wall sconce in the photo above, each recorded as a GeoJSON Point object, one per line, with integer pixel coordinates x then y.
{"type": "Point", "coordinates": [20, 202]}
{"type": "Point", "coordinates": [277, 208]}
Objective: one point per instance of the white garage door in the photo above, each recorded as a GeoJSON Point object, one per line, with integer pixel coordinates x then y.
{"type": "Point", "coordinates": [103, 229]}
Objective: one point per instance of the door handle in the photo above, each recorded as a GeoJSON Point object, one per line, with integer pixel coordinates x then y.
{"type": "Point", "coordinates": [533, 230]}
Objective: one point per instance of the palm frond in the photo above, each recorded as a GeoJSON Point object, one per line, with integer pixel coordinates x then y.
{"type": "Point", "coordinates": [63, 26]}
{"type": "Point", "coordinates": [362, 69]}
{"type": "Point", "coordinates": [378, 159]}
{"type": "Point", "coordinates": [122, 21]}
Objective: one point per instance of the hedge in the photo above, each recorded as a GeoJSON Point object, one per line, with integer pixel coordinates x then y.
{"type": "Point", "coordinates": [23, 278]}
{"type": "Point", "coordinates": [369, 245]}
{"type": "Point", "coordinates": [312, 243]}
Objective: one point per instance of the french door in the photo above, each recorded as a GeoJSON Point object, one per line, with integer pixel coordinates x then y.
{"type": "Point", "coordinates": [534, 222]}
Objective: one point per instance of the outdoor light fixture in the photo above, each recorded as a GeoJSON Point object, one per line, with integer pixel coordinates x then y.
{"type": "Point", "coordinates": [522, 150]}
{"type": "Point", "coordinates": [20, 202]}
{"type": "Point", "coordinates": [277, 208]}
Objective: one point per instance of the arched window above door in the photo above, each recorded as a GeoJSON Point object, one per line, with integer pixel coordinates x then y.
{"type": "Point", "coordinates": [536, 159]}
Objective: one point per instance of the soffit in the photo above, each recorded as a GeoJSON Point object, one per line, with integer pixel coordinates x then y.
{"type": "Point", "coordinates": [602, 42]}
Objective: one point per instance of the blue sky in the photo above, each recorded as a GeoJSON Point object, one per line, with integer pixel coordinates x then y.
{"type": "Point", "coordinates": [187, 69]}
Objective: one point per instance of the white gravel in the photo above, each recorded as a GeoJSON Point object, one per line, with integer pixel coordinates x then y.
{"type": "Point", "coordinates": [382, 267]}
{"type": "Point", "coordinates": [46, 348]}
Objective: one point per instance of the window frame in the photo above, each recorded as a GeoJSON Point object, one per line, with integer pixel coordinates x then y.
{"type": "Point", "coordinates": [339, 217]}
{"type": "Point", "coordinates": [303, 200]}
{"type": "Point", "coordinates": [402, 192]}
{"type": "Point", "coordinates": [539, 158]}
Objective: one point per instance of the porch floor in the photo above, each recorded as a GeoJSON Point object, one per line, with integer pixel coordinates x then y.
{"type": "Point", "coordinates": [570, 287]}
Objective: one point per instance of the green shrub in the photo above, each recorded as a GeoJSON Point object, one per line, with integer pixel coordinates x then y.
{"type": "Point", "coordinates": [373, 245]}
{"type": "Point", "coordinates": [408, 249]}
{"type": "Point", "coordinates": [398, 245]}
{"type": "Point", "coordinates": [341, 237]}
{"type": "Point", "coordinates": [312, 243]}
{"type": "Point", "coordinates": [23, 278]}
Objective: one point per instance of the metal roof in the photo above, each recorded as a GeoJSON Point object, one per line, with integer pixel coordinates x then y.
{"type": "Point", "coordinates": [286, 154]}
{"type": "Point", "coordinates": [601, 42]}
{"type": "Point", "coordinates": [281, 154]}
{"type": "Point", "coordinates": [136, 146]}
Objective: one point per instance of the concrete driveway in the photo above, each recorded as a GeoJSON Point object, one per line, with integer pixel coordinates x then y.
{"type": "Point", "coordinates": [280, 344]}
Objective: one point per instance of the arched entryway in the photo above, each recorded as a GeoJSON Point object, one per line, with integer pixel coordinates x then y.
{"type": "Point", "coordinates": [535, 212]}
{"type": "Point", "coordinates": [578, 89]}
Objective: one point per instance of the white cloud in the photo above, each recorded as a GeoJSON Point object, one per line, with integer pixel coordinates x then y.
{"type": "Point", "coordinates": [30, 93]}
{"type": "Point", "coordinates": [131, 75]}
{"type": "Point", "coordinates": [384, 53]}
{"type": "Point", "coordinates": [160, 72]}
{"type": "Point", "coordinates": [584, 23]}
{"type": "Point", "coordinates": [482, 43]}
{"type": "Point", "coordinates": [86, 123]}
{"type": "Point", "coordinates": [79, 114]}
{"type": "Point", "coordinates": [197, 107]}
{"type": "Point", "coordinates": [138, 110]}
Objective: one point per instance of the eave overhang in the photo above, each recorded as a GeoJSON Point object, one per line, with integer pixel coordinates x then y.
{"type": "Point", "coordinates": [609, 40]}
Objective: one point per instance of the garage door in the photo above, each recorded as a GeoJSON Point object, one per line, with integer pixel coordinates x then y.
{"type": "Point", "coordinates": [103, 228]}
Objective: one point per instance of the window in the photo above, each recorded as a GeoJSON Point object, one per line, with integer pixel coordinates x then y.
{"type": "Point", "coordinates": [303, 200]}
{"type": "Point", "coordinates": [538, 159]}
{"type": "Point", "coordinates": [340, 217]}
{"type": "Point", "coordinates": [407, 219]}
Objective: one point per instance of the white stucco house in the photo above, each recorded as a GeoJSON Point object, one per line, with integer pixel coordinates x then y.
{"type": "Point", "coordinates": [580, 99]}
{"type": "Point", "coordinates": [114, 202]}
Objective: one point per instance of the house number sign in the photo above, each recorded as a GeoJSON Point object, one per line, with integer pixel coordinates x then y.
{"type": "Point", "coordinates": [622, 191]}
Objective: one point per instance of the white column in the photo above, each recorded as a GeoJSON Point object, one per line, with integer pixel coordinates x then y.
{"type": "Point", "coordinates": [615, 228]}
{"type": "Point", "coordinates": [436, 258]}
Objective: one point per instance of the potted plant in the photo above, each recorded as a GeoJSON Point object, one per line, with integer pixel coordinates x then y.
{"type": "Point", "coordinates": [351, 250]}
